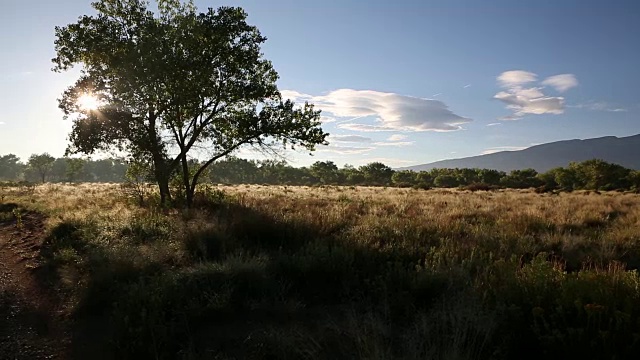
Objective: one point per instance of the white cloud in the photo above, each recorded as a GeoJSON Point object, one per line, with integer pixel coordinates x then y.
{"type": "Point", "coordinates": [466, 86]}
{"type": "Point", "coordinates": [327, 119]}
{"type": "Point", "coordinates": [522, 104]}
{"type": "Point", "coordinates": [532, 100]}
{"type": "Point", "coordinates": [494, 124]}
{"type": "Point", "coordinates": [436, 95]}
{"type": "Point", "coordinates": [599, 106]}
{"type": "Point", "coordinates": [346, 150]}
{"type": "Point", "coordinates": [397, 137]}
{"type": "Point", "coordinates": [365, 127]}
{"type": "Point", "coordinates": [394, 143]}
{"type": "Point", "coordinates": [516, 78]}
{"type": "Point", "coordinates": [391, 111]}
{"type": "Point", "coordinates": [562, 82]}
{"type": "Point", "coordinates": [503, 148]}
{"type": "Point", "coordinates": [295, 96]}
{"type": "Point", "coordinates": [349, 138]}
{"type": "Point", "coordinates": [2, 122]}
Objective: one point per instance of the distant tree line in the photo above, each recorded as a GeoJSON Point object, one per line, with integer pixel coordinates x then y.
{"type": "Point", "coordinates": [587, 175]}
{"type": "Point", "coordinates": [46, 168]}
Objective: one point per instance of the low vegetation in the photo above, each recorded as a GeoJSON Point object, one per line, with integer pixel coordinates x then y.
{"type": "Point", "coordinates": [277, 272]}
{"type": "Point", "coordinates": [587, 175]}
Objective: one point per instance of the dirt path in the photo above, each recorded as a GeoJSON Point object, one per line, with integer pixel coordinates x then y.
{"type": "Point", "coordinates": [32, 323]}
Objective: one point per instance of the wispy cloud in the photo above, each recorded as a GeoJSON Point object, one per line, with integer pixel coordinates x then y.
{"type": "Point", "coordinates": [531, 100]}
{"type": "Point", "coordinates": [599, 106]}
{"type": "Point", "coordinates": [2, 122]}
{"type": "Point", "coordinates": [496, 149]}
{"type": "Point", "coordinates": [365, 127]}
{"type": "Point", "coordinates": [327, 119]}
{"type": "Point", "coordinates": [391, 111]}
{"type": "Point", "coordinates": [436, 95]}
{"type": "Point", "coordinates": [397, 137]}
{"type": "Point", "coordinates": [466, 86]}
{"type": "Point", "coordinates": [349, 138]}
{"type": "Point", "coordinates": [394, 143]}
{"type": "Point", "coordinates": [494, 124]}
{"type": "Point", "coordinates": [346, 150]}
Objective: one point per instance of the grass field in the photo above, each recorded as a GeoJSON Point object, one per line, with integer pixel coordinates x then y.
{"type": "Point", "coordinates": [273, 272]}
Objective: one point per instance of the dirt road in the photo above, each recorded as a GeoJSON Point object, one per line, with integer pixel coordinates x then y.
{"type": "Point", "coordinates": [32, 323]}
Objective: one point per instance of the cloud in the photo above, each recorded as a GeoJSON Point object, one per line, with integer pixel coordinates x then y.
{"type": "Point", "coordinates": [436, 95]}
{"type": "Point", "coordinates": [494, 124]}
{"type": "Point", "coordinates": [562, 82]}
{"type": "Point", "coordinates": [394, 143]}
{"type": "Point", "coordinates": [365, 127]}
{"type": "Point", "coordinates": [516, 78]}
{"type": "Point", "coordinates": [502, 148]}
{"type": "Point", "coordinates": [531, 100]}
{"type": "Point", "coordinates": [599, 106]}
{"type": "Point", "coordinates": [327, 119]}
{"type": "Point", "coordinates": [391, 111]}
{"type": "Point", "coordinates": [2, 122]}
{"type": "Point", "coordinates": [466, 86]}
{"type": "Point", "coordinates": [347, 150]}
{"type": "Point", "coordinates": [522, 104]}
{"type": "Point", "coordinates": [509, 118]}
{"type": "Point", "coordinates": [397, 137]}
{"type": "Point", "coordinates": [295, 96]}
{"type": "Point", "coordinates": [349, 138]}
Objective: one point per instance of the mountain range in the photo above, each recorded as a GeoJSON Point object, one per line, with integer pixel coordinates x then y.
{"type": "Point", "coordinates": [624, 151]}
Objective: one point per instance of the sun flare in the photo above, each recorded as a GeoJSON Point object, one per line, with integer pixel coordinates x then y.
{"type": "Point", "coordinates": [88, 102]}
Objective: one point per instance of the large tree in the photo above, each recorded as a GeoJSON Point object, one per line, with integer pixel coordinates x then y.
{"type": "Point", "coordinates": [10, 167]}
{"type": "Point", "coordinates": [41, 164]}
{"type": "Point", "coordinates": [169, 81]}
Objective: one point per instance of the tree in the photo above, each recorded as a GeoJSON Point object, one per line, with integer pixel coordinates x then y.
{"type": "Point", "coordinates": [377, 173]}
{"type": "Point", "coordinates": [491, 177]}
{"type": "Point", "coordinates": [10, 167]}
{"type": "Point", "coordinates": [566, 178]}
{"type": "Point", "coordinates": [41, 164]}
{"type": "Point", "coordinates": [325, 172]}
{"type": "Point", "coordinates": [521, 179]}
{"type": "Point", "coordinates": [600, 175]}
{"type": "Point", "coordinates": [404, 178]}
{"type": "Point", "coordinates": [174, 80]}
{"type": "Point", "coordinates": [75, 167]}
{"type": "Point", "coordinates": [58, 172]}
{"type": "Point", "coordinates": [424, 179]}
{"type": "Point", "coordinates": [634, 180]}
{"type": "Point", "coordinates": [234, 171]}
{"type": "Point", "coordinates": [446, 181]}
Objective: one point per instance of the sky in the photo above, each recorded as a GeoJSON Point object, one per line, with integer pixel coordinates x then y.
{"type": "Point", "coordinates": [403, 82]}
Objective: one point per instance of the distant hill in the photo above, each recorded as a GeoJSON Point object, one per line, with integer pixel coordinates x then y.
{"type": "Point", "coordinates": [624, 151]}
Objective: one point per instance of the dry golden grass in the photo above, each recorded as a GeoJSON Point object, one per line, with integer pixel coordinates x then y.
{"type": "Point", "coordinates": [410, 260]}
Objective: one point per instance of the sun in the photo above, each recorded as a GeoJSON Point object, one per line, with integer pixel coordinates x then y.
{"type": "Point", "coordinates": [88, 102]}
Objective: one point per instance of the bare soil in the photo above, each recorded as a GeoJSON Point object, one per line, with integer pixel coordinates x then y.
{"type": "Point", "coordinates": [33, 323]}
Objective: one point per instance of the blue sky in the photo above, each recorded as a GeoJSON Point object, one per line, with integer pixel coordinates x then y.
{"type": "Point", "coordinates": [402, 82]}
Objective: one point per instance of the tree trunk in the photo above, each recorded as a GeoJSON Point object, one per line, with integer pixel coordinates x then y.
{"type": "Point", "coordinates": [165, 194]}
{"type": "Point", "coordinates": [186, 181]}
{"type": "Point", "coordinates": [162, 177]}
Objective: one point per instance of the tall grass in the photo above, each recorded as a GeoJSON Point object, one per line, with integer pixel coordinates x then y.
{"type": "Point", "coordinates": [334, 272]}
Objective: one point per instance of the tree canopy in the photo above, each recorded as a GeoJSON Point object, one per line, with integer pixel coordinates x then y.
{"type": "Point", "coordinates": [169, 81]}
